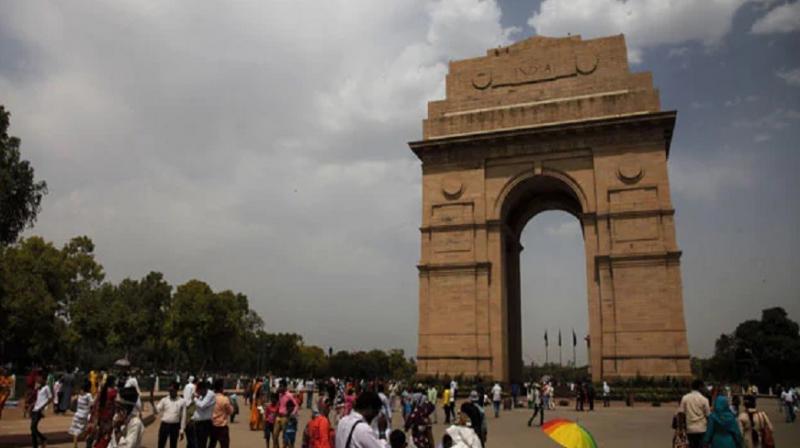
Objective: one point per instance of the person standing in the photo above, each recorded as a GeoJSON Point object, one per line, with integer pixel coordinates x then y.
{"type": "Point", "coordinates": [310, 388]}
{"type": "Point", "coordinates": [65, 398]}
{"type": "Point", "coordinates": [128, 426]}
{"type": "Point", "coordinates": [695, 408]}
{"type": "Point", "coordinates": [590, 394]}
{"type": "Point", "coordinates": [204, 401]}
{"type": "Point", "coordinates": [538, 405]}
{"type": "Point", "coordinates": [754, 425]}
{"type": "Point", "coordinates": [462, 434]}
{"type": "Point", "coordinates": [433, 395]}
{"type": "Point", "coordinates": [173, 417]}
{"type": "Point", "coordinates": [497, 398]}
{"type": "Point", "coordinates": [446, 405]}
{"type": "Point", "coordinates": [80, 420]}
{"type": "Point", "coordinates": [606, 394]}
{"type": "Point", "coordinates": [354, 430]}
{"type": "Point", "coordinates": [282, 420]}
{"type": "Point", "coordinates": [270, 415]}
{"type": "Point", "coordinates": [5, 389]}
{"type": "Point", "coordinates": [103, 414]}
{"type": "Point", "coordinates": [788, 398]}
{"type": "Point", "coordinates": [188, 390]}
{"type": "Point", "coordinates": [419, 423]}
{"type": "Point", "coordinates": [43, 398]}
{"type": "Point", "coordinates": [256, 393]}
{"type": "Point", "coordinates": [220, 416]}
{"type": "Point", "coordinates": [723, 428]}
{"type": "Point", "coordinates": [318, 432]}
{"type": "Point", "coordinates": [477, 415]}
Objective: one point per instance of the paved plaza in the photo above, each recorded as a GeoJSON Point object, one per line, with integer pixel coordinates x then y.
{"type": "Point", "coordinates": [618, 426]}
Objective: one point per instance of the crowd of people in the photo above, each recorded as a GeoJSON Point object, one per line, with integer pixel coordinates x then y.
{"type": "Point", "coordinates": [718, 417]}
{"type": "Point", "coordinates": [108, 409]}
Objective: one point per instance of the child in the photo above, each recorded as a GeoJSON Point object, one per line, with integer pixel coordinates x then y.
{"type": "Point", "coordinates": [397, 439]}
{"type": "Point", "coordinates": [290, 433]}
{"type": "Point", "coordinates": [270, 412]}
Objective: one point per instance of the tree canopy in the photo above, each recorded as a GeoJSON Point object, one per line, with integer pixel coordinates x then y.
{"type": "Point", "coordinates": [20, 195]}
{"type": "Point", "coordinates": [56, 309]}
{"type": "Point", "coordinates": [764, 352]}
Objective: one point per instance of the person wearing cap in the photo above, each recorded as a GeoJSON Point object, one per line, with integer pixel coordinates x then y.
{"type": "Point", "coordinates": [128, 426]}
{"type": "Point", "coordinates": [188, 390]}
{"type": "Point", "coordinates": [354, 430]}
{"type": "Point", "coordinates": [173, 417]}
{"type": "Point", "coordinates": [479, 423]}
{"type": "Point", "coordinates": [204, 400]}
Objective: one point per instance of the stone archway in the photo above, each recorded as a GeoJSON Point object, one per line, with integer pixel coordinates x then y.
{"type": "Point", "coordinates": [548, 124]}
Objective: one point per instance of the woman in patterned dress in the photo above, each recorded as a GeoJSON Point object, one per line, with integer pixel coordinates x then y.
{"type": "Point", "coordinates": [80, 420]}
{"type": "Point", "coordinates": [419, 422]}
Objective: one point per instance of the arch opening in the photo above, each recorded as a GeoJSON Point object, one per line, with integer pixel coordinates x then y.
{"type": "Point", "coordinates": [528, 199]}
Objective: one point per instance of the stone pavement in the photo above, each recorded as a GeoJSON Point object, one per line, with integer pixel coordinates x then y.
{"type": "Point", "coordinates": [618, 427]}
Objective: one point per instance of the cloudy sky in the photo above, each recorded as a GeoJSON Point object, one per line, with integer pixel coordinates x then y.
{"type": "Point", "coordinates": [261, 146]}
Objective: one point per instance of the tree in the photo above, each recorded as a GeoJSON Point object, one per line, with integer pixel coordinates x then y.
{"type": "Point", "coordinates": [20, 195]}
{"type": "Point", "coordinates": [764, 352]}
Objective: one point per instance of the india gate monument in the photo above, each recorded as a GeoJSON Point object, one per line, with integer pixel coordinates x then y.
{"type": "Point", "coordinates": [548, 124]}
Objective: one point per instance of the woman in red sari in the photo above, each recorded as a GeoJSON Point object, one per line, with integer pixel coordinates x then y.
{"type": "Point", "coordinates": [103, 415]}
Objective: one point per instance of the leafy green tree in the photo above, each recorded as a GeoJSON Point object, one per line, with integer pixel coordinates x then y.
{"type": "Point", "coordinates": [20, 195]}
{"type": "Point", "coordinates": [765, 351]}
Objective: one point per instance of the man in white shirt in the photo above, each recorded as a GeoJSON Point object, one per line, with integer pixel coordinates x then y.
{"type": "Point", "coordinates": [696, 408]}
{"type": "Point", "coordinates": [497, 397]}
{"type": "Point", "coordinates": [204, 401]}
{"type": "Point", "coordinates": [173, 418]}
{"type": "Point", "coordinates": [188, 390]}
{"type": "Point", "coordinates": [130, 429]}
{"type": "Point", "coordinates": [788, 398]}
{"type": "Point", "coordinates": [43, 398]}
{"type": "Point", "coordinates": [354, 430]}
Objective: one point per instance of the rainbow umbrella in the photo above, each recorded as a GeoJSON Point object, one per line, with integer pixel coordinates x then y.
{"type": "Point", "coordinates": [568, 434]}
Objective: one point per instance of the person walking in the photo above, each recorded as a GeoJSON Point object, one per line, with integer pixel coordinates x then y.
{"type": "Point", "coordinates": [788, 398]}
{"type": "Point", "coordinates": [310, 389]}
{"type": "Point", "coordinates": [497, 398]}
{"type": "Point", "coordinates": [419, 423]}
{"type": "Point", "coordinates": [173, 417]}
{"type": "Point", "coordinates": [723, 429]}
{"type": "Point", "coordinates": [479, 424]}
{"type": "Point", "coordinates": [354, 430]}
{"type": "Point", "coordinates": [606, 394]}
{"type": "Point", "coordinates": [446, 405]}
{"type": "Point", "coordinates": [755, 426]}
{"type": "Point", "coordinates": [204, 400]}
{"type": "Point", "coordinates": [80, 421]}
{"type": "Point", "coordinates": [538, 405]}
{"type": "Point", "coordinates": [103, 414]}
{"type": "Point", "coordinates": [695, 408]}
{"type": "Point", "coordinates": [282, 420]}
{"type": "Point", "coordinates": [590, 394]}
{"type": "Point", "coordinates": [43, 398]}
{"type": "Point", "coordinates": [128, 426]}
{"type": "Point", "coordinates": [256, 422]}
{"type": "Point", "coordinates": [223, 409]}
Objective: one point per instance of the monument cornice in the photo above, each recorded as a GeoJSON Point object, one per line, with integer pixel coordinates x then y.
{"type": "Point", "coordinates": [550, 135]}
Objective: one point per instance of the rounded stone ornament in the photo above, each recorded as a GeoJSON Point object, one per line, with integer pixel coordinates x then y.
{"type": "Point", "coordinates": [630, 172]}
{"type": "Point", "coordinates": [586, 62]}
{"type": "Point", "coordinates": [452, 188]}
{"type": "Point", "coordinates": [482, 80]}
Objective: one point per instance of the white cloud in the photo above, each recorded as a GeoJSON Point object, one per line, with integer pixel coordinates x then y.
{"type": "Point", "coordinates": [791, 77]}
{"type": "Point", "coordinates": [677, 52]}
{"type": "Point", "coordinates": [258, 145]}
{"type": "Point", "coordinates": [645, 23]}
{"type": "Point", "coordinates": [783, 19]}
{"type": "Point", "coordinates": [568, 228]}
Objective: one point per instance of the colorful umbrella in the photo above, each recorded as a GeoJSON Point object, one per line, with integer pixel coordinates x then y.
{"type": "Point", "coordinates": [569, 434]}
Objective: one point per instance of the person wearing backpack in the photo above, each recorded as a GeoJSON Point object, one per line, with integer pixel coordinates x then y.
{"type": "Point", "coordinates": [755, 426]}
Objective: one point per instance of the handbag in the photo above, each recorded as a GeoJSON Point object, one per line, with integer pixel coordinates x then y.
{"type": "Point", "coordinates": [680, 440]}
